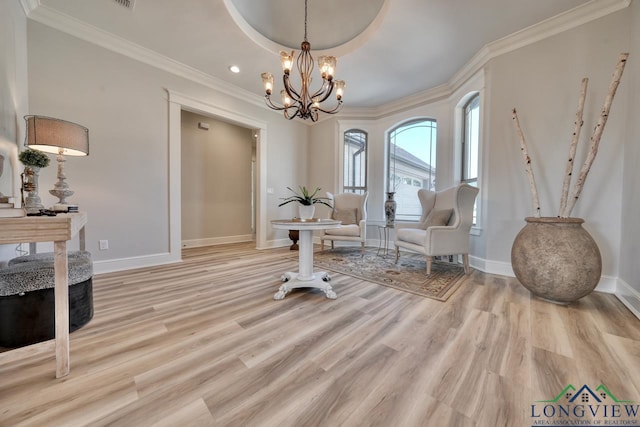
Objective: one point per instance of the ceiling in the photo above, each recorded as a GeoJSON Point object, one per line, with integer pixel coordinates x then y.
{"type": "Point", "coordinates": [386, 49]}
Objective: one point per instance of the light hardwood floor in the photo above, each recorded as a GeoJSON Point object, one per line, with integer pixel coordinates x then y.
{"type": "Point", "coordinates": [204, 343]}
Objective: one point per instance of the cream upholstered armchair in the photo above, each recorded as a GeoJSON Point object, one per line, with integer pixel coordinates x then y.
{"type": "Point", "coordinates": [351, 209]}
{"type": "Point", "coordinates": [444, 227]}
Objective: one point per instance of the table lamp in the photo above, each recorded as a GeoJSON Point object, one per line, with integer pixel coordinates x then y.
{"type": "Point", "coordinates": [63, 138]}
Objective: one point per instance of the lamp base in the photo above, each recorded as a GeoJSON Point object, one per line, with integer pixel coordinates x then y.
{"type": "Point", "coordinates": [60, 207]}
{"type": "Point", "coordinates": [61, 188]}
{"type": "Point", "coordinates": [64, 207]}
{"type": "Point", "coordinates": [61, 193]}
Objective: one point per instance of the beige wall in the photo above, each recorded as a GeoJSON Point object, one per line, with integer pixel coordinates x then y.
{"type": "Point", "coordinates": [216, 181]}
{"type": "Point", "coordinates": [326, 144]}
{"type": "Point", "coordinates": [542, 81]}
{"type": "Point", "coordinates": [124, 184]}
{"type": "Point", "coordinates": [13, 99]}
{"type": "Point", "coordinates": [630, 244]}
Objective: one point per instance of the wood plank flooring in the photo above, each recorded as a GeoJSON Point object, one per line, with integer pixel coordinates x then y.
{"type": "Point", "coordinates": [202, 343]}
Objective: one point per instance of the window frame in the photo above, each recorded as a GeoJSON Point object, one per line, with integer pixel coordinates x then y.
{"type": "Point", "coordinates": [388, 144]}
{"type": "Point", "coordinates": [358, 189]}
{"type": "Point", "coordinates": [466, 108]}
{"type": "Point", "coordinates": [470, 104]}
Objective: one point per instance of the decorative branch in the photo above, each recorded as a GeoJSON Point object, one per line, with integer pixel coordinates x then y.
{"type": "Point", "coordinates": [527, 162]}
{"type": "Point", "coordinates": [572, 148]}
{"type": "Point", "coordinates": [597, 134]}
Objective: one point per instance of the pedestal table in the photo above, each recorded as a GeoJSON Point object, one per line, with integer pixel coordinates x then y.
{"type": "Point", "coordinates": [305, 277]}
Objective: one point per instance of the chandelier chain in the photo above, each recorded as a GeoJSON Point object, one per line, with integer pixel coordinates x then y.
{"type": "Point", "coordinates": [305, 20]}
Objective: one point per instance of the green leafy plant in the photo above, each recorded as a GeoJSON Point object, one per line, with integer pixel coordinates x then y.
{"type": "Point", "coordinates": [304, 198]}
{"type": "Point", "coordinates": [31, 157]}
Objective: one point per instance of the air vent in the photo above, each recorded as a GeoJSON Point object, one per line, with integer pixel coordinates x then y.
{"type": "Point", "coordinates": [126, 3]}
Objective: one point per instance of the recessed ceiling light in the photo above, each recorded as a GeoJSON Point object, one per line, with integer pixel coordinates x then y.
{"type": "Point", "coordinates": [234, 69]}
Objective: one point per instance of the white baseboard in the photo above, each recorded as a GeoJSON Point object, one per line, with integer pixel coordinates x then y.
{"type": "Point", "coordinates": [121, 264]}
{"type": "Point", "coordinates": [628, 296]}
{"type": "Point", "coordinates": [279, 243]}
{"type": "Point", "coordinates": [112, 265]}
{"type": "Point", "coordinates": [491, 267]}
{"type": "Point", "coordinates": [607, 284]}
{"type": "Point", "coordinates": [211, 241]}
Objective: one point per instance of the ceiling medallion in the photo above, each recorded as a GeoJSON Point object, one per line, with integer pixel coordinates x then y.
{"type": "Point", "coordinates": [303, 103]}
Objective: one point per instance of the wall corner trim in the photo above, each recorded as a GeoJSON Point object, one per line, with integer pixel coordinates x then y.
{"type": "Point", "coordinates": [628, 296]}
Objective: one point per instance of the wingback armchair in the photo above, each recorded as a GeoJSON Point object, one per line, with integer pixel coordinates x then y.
{"type": "Point", "coordinates": [444, 227]}
{"type": "Point", "coordinates": [351, 209]}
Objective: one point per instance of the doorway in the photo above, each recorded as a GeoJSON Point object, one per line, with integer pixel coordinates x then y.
{"type": "Point", "coordinates": [179, 102]}
{"type": "Point", "coordinates": [217, 188]}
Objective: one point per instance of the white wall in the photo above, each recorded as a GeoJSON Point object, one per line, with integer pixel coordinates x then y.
{"type": "Point", "coordinates": [216, 181]}
{"type": "Point", "coordinates": [13, 99]}
{"type": "Point", "coordinates": [124, 183]}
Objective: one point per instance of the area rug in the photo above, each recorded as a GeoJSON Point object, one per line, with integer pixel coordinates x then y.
{"type": "Point", "coordinates": [407, 275]}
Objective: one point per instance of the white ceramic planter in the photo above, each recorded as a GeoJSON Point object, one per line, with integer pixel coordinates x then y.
{"type": "Point", "coordinates": [306, 211]}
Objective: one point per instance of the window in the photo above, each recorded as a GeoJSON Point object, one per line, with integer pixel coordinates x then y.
{"type": "Point", "coordinates": [355, 161]}
{"type": "Point", "coordinates": [412, 165]}
{"type": "Point", "coordinates": [470, 145]}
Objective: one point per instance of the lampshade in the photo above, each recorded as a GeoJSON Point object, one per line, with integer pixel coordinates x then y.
{"type": "Point", "coordinates": [57, 136]}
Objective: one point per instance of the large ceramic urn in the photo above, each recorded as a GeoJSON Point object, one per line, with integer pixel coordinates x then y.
{"type": "Point", "coordinates": [556, 259]}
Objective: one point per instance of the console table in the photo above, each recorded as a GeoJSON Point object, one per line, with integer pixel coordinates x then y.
{"type": "Point", "coordinates": [305, 278]}
{"type": "Point", "coordinates": [57, 229]}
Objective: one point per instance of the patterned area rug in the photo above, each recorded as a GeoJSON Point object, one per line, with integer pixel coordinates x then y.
{"type": "Point", "coordinates": [408, 275]}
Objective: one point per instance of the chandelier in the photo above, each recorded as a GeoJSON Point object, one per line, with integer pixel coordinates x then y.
{"type": "Point", "coordinates": [303, 103]}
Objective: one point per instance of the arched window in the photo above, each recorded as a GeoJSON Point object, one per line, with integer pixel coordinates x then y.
{"type": "Point", "coordinates": [471, 145]}
{"type": "Point", "coordinates": [411, 149]}
{"type": "Point", "coordinates": [355, 161]}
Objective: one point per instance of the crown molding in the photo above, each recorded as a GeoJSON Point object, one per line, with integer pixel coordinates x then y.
{"type": "Point", "coordinates": [565, 21]}
{"type": "Point", "coordinates": [29, 6]}
{"type": "Point", "coordinates": [197, 105]}
{"type": "Point", "coordinates": [557, 24]}
{"type": "Point", "coordinates": [434, 94]}
{"type": "Point", "coordinates": [74, 27]}
{"type": "Point", "coordinates": [550, 27]}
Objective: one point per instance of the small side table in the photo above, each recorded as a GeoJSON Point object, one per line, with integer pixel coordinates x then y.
{"type": "Point", "coordinates": [383, 236]}
{"type": "Point", "coordinates": [305, 277]}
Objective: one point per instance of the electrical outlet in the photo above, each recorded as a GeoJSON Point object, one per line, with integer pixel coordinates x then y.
{"type": "Point", "coordinates": [104, 245]}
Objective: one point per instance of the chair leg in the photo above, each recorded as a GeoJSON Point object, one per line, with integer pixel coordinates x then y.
{"type": "Point", "coordinates": [465, 260]}
{"type": "Point", "coordinates": [321, 245]}
{"type": "Point", "coordinates": [332, 245]}
{"type": "Point", "coordinates": [429, 262]}
{"type": "Point", "coordinates": [362, 249]}
{"type": "Point", "coordinates": [397, 253]}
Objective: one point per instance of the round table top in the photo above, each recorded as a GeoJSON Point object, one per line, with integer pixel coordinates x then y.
{"type": "Point", "coordinates": [301, 224]}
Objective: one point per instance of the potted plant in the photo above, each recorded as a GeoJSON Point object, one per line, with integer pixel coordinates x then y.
{"type": "Point", "coordinates": [306, 200]}
{"type": "Point", "coordinates": [32, 160]}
